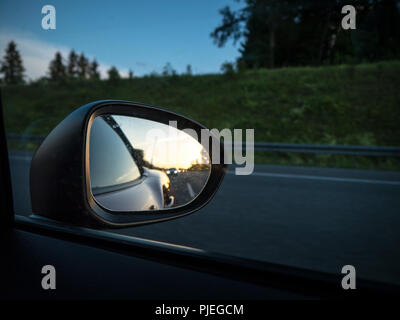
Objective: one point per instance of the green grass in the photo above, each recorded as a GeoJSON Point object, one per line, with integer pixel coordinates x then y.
{"type": "Point", "coordinates": [346, 104]}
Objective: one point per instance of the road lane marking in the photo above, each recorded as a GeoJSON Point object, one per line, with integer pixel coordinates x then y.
{"type": "Point", "coordinates": [190, 190]}
{"type": "Point", "coordinates": [279, 175]}
{"type": "Point", "coordinates": [321, 178]}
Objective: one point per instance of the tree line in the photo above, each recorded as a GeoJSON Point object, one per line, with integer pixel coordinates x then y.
{"type": "Point", "coordinates": [76, 66]}
{"type": "Point", "coordinates": [277, 33]}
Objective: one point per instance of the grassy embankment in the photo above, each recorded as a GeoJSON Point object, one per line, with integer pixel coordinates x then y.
{"type": "Point", "coordinates": [345, 104]}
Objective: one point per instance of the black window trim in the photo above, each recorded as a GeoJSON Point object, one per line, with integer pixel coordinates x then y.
{"type": "Point", "coordinates": [313, 284]}
{"type": "Point", "coordinates": [6, 200]}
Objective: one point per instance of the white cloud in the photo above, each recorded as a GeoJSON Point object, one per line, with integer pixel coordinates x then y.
{"type": "Point", "coordinates": [36, 54]}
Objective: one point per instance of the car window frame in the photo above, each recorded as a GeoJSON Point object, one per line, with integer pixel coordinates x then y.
{"type": "Point", "coordinates": [6, 198]}
{"type": "Point", "coordinates": [310, 283]}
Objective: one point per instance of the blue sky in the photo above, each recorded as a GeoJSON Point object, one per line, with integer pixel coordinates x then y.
{"type": "Point", "coordinates": [138, 35]}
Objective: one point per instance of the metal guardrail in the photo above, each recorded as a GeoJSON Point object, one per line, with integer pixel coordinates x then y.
{"type": "Point", "coordinates": [326, 149]}
{"type": "Point", "coordinates": [368, 151]}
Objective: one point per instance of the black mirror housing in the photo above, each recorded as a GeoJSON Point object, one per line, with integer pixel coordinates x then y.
{"type": "Point", "coordinates": [59, 173]}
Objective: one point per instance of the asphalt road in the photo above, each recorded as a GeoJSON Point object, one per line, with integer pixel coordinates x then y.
{"type": "Point", "coordinates": [187, 185]}
{"type": "Point", "coordinates": [313, 218]}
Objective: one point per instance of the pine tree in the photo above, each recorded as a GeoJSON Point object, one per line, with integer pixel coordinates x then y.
{"type": "Point", "coordinates": [12, 66]}
{"type": "Point", "coordinates": [113, 74]}
{"type": "Point", "coordinates": [189, 70]}
{"type": "Point", "coordinates": [130, 75]}
{"type": "Point", "coordinates": [273, 30]}
{"type": "Point", "coordinates": [57, 68]}
{"type": "Point", "coordinates": [72, 68]}
{"type": "Point", "coordinates": [83, 66]}
{"type": "Point", "coordinates": [168, 70]}
{"type": "Point", "coordinates": [94, 74]}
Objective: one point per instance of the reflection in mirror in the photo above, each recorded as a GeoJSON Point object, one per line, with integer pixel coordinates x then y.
{"type": "Point", "coordinates": [140, 165]}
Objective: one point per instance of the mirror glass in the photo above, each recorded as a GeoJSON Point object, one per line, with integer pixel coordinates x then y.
{"type": "Point", "coordinates": [141, 165]}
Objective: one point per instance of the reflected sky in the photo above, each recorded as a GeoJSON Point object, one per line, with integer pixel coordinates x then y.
{"type": "Point", "coordinates": [163, 146]}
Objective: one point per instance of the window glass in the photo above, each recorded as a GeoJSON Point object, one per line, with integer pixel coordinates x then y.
{"type": "Point", "coordinates": [318, 81]}
{"type": "Point", "coordinates": [105, 146]}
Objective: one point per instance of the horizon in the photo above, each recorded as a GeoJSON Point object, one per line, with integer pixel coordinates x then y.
{"type": "Point", "coordinates": [180, 36]}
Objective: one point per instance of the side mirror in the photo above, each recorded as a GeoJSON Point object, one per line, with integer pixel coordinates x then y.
{"type": "Point", "coordinates": [118, 163]}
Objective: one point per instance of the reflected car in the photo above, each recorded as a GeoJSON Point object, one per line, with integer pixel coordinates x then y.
{"type": "Point", "coordinates": [128, 186]}
{"type": "Point", "coordinates": [172, 172]}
